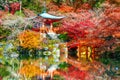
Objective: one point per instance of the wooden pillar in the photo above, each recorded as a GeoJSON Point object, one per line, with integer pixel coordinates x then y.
{"type": "Point", "coordinates": [86, 53]}
{"type": "Point", "coordinates": [78, 52]}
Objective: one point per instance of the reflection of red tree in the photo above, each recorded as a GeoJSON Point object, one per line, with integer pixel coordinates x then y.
{"type": "Point", "coordinates": [74, 73]}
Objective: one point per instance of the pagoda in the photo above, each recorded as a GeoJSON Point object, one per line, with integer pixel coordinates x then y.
{"type": "Point", "coordinates": [47, 22]}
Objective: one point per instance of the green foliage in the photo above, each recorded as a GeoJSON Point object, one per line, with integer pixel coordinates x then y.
{"type": "Point", "coordinates": [18, 13]}
{"type": "Point", "coordinates": [63, 66]}
{"type": "Point", "coordinates": [4, 32]}
{"type": "Point", "coordinates": [56, 24]}
{"type": "Point", "coordinates": [113, 71]}
{"type": "Point", "coordinates": [25, 53]}
{"type": "Point", "coordinates": [4, 72]}
{"type": "Point", "coordinates": [105, 60]}
{"type": "Point", "coordinates": [84, 1]}
{"type": "Point", "coordinates": [2, 2]}
{"type": "Point", "coordinates": [1, 7]}
{"type": "Point", "coordinates": [108, 38]}
{"type": "Point", "coordinates": [94, 3]}
{"type": "Point", "coordinates": [58, 2]}
{"type": "Point", "coordinates": [63, 37]}
{"type": "Point", "coordinates": [111, 57]}
{"type": "Point", "coordinates": [98, 3]}
{"type": "Point", "coordinates": [110, 72]}
{"type": "Point", "coordinates": [14, 0]}
{"type": "Point", "coordinates": [58, 77]}
{"type": "Point", "coordinates": [34, 5]}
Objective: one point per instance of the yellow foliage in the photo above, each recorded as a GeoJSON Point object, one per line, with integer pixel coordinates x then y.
{"type": "Point", "coordinates": [29, 39]}
{"type": "Point", "coordinates": [30, 70]}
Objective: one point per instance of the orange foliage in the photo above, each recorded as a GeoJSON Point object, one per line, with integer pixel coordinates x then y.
{"type": "Point", "coordinates": [116, 34]}
{"type": "Point", "coordinates": [65, 8]}
{"type": "Point", "coordinates": [2, 14]}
